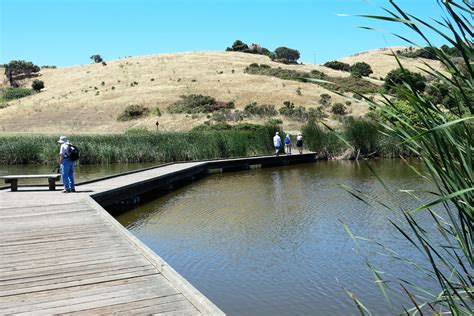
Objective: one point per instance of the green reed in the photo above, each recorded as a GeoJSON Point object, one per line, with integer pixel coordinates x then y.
{"type": "Point", "coordinates": [357, 139]}
{"type": "Point", "coordinates": [443, 136]}
{"type": "Point", "coordinates": [138, 146]}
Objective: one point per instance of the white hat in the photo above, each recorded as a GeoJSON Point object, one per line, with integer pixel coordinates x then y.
{"type": "Point", "coordinates": [277, 133]}
{"type": "Point", "coordinates": [62, 140]}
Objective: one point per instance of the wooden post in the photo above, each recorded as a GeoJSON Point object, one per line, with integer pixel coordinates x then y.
{"type": "Point", "coordinates": [52, 184]}
{"type": "Point", "coordinates": [14, 184]}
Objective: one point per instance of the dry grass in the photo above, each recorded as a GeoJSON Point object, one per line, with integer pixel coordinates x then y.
{"type": "Point", "coordinates": [75, 100]}
{"type": "Point", "coordinates": [382, 61]}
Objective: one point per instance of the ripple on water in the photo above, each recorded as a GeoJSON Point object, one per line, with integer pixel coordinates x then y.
{"type": "Point", "coordinates": [272, 241]}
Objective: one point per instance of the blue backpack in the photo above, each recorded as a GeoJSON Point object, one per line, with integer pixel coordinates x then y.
{"type": "Point", "coordinates": [287, 140]}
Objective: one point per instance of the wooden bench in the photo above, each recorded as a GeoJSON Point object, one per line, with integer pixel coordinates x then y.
{"type": "Point", "coordinates": [13, 179]}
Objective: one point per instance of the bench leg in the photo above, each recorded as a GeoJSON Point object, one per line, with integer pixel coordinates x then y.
{"type": "Point", "coordinates": [52, 184]}
{"type": "Point", "coordinates": [14, 184]}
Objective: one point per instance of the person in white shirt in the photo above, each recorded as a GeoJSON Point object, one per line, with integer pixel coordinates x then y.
{"type": "Point", "coordinates": [277, 143]}
{"type": "Point", "coordinates": [67, 166]}
{"type": "Point", "coordinates": [299, 142]}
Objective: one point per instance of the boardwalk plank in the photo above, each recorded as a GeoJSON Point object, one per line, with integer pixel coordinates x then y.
{"type": "Point", "coordinates": [74, 291]}
{"type": "Point", "coordinates": [21, 256]}
{"type": "Point", "coordinates": [148, 306]}
{"type": "Point", "coordinates": [66, 263]}
{"type": "Point", "coordinates": [84, 299]}
{"type": "Point", "coordinates": [64, 254]}
{"type": "Point", "coordinates": [49, 239]}
{"type": "Point", "coordinates": [59, 249]}
{"type": "Point", "coordinates": [56, 245]}
{"type": "Point", "coordinates": [47, 273]}
{"type": "Point", "coordinates": [76, 280]}
{"type": "Point", "coordinates": [107, 299]}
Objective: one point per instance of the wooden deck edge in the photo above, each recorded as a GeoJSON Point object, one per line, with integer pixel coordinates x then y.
{"type": "Point", "coordinates": [201, 302]}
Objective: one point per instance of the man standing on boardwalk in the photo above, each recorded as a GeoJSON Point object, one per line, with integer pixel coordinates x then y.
{"type": "Point", "coordinates": [67, 166]}
{"type": "Point", "coordinates": [277, 143]}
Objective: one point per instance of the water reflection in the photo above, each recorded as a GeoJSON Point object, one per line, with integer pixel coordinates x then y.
{"type": "Point", "coordinates": [271, 241]}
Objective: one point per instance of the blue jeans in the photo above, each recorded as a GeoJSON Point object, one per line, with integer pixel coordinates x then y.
{"type": "Point", "coordinates": [67, 174]}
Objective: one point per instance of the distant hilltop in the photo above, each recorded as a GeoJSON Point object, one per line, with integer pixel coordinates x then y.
{"type": "Point", "coordinates": [183, 90]}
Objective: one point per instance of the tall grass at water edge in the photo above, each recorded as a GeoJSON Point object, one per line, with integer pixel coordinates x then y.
{"type": "Point", "coordinates": [356, 139]}
{"type": "Point", "coordinates": [139, 146]}
{"type": "Point", "coordinates": [145, 146]}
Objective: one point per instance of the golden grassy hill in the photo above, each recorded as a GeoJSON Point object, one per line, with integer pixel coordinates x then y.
{"type": "Point", "coordinates": [382, 61]}
{"type": "Point", "coordinates": [89, 98]}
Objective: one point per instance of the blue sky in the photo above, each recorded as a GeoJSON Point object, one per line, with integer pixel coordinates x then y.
{"type": "Point", "coordinates": [67, 32]}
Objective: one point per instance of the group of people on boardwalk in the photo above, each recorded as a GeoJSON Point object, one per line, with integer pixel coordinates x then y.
{"type": "Point", "coordinates": [68, 154]}
{"type": "Point", "coordinates": [277, 143]}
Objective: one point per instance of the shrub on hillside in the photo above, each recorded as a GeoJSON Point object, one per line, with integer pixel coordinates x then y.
{"type": "Point", "coordinates": [16, 93]}
{"type": "Point", "coordinates": [299, 113]}
{"type": "Point", "coordinates": [274, 122]}
{"type": "Point", "coordinates": [316, 74]}
{"type": "Point", "coordinates": [426, 52]}
{"type": "Point", "coordinates": [266, 70]}
{"type": "Point", "coordinates": [325, 100]}
{"type": "Point", "coordinates": [361, 69]}
{"type": "Point", "coordinates": [263, 110]}
{"type": "Point", "coordinates": [357, 96]}
{"type": "Point", "coordinates": [316, 114]}
{"type": "Point", "coordinates": [451, 51]}
{"type": "Point", "coordinates": [395, 78]}
{"type": "Point", "coordinates": [438, 93]}
{"type": "Point", "coordinates": [133, 111]}
{"type": "Point", "coordinates": [226, 115]}
{"type": "Point", "coordinates": [339, 109]}
{"type": "Point", "coordinates": [239, 46]}
{"type": "Point", "coordinates": [353, 84]}
{"type": "Point", "coordinates": [337, 65]}
{"type": "Point", "coordinates": [197, 103]}
{"type": "Point", "coordinates": [37, 85]}
{"type": "Point", "coordinates": [347, 84]}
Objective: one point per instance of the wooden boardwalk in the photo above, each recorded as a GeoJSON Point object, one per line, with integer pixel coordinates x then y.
{"type": "Point", "coordinates": [63, 253]}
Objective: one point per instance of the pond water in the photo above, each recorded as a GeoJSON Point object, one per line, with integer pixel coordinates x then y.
{"type": "Point", "coordinates": [82, 172]}
{"type": "Point", "coordinates": [272, 241]}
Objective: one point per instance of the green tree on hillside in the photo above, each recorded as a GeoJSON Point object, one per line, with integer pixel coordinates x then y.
{"type": "Point", "coordinates": [288, 54]}
{"type": "Point", "coordinates": [337, 65]}
{"type": "Point", "coordinates": [239, 46]}
{"type": "Point", "coordinates": [19, 69]}
{"type": "Point", "coordinates": [451, 51]}
{"type": "Point", "coordinates": [96, 58]}
{"type": "Point", "coordinates": [37, 85]}
{"type": "Point", "coordinates": [361, 69]}
{"type": "Point", "coordinates": [395, 79]}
